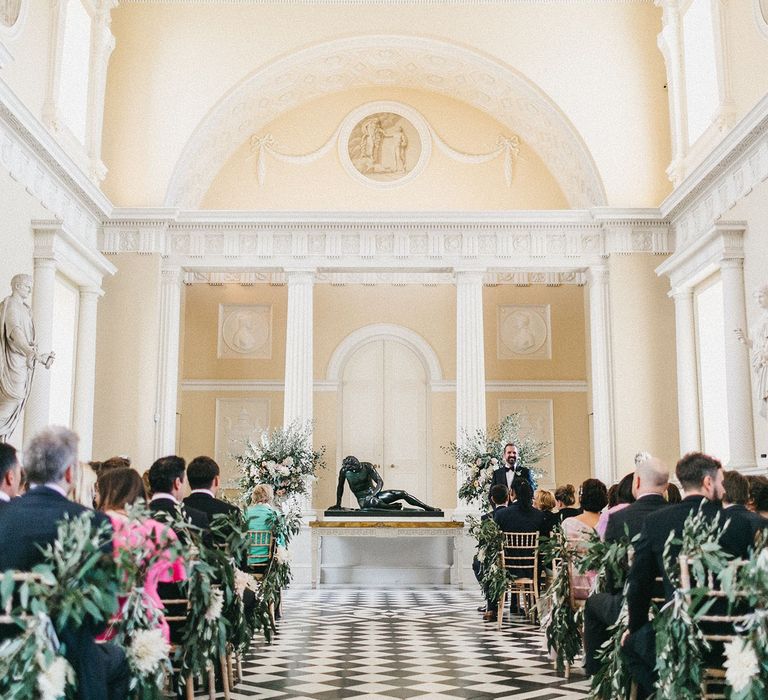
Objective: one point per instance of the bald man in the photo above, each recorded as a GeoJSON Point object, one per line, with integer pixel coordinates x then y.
{"type": "Point", "coordinates": [602, 609]}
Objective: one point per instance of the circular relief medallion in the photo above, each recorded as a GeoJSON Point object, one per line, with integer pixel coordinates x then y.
{"type": "Point", "coordinates": [524, 332]}
{"type": "Point", "coordinates": [245, 332]}
{"type": "Point", "coordinates": [9, 13]}
{"type": "Point", "coordinates": [384, 144]}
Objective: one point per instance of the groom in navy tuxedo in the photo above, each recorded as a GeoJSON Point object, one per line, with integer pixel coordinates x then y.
{"type": "Point", "coordinates": [511, 468]}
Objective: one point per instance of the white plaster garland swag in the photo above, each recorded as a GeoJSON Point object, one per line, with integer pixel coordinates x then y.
{"type": "Point", "coordinates": [507, 146]}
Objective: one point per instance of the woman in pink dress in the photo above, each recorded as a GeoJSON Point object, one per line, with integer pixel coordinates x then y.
{"type": "Point", "coordinates": [622, 497]}
{"type": "Point", "coordinates": [117, 489]}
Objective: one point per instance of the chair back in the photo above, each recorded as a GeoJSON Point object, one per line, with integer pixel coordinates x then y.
{"type": "Point", "coordinates": [6, 614]}
{"type": "Point", "coordinates": [261, 545]}
{"type": "Point", "coordinates": [520, 555]}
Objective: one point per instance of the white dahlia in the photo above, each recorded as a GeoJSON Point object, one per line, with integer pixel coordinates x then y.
{"type": "Point", "coordinates": [148, 649]}
{"type": "Point", "coordinates": [52, 681]}
{"type": "Point", "coordinates": [741, 664]}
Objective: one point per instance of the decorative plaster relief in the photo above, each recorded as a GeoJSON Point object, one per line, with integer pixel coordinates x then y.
{"type": "Point", "coordinates": [245, 332]}
{"type": "Point", "coordinates": [524, 332]}
{"type": "Point", "coordinates": [237, 420]}
{"type": "Point", "coordinates": [536, 420]}
{"type": "Point", "coordinates": [761, 15]}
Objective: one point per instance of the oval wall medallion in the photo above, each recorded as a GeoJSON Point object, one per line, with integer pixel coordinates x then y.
{"type": "Point", "coordinates": [384, 144]}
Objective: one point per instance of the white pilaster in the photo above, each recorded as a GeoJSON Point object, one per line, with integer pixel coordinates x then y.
{"type": "Point", "coordinates": [741, 438]}
{"type": "Point", "coordinates": [687, 376]}
{"type": "Point", "coordinates": [37, 410]}
{"type": "Point", "coordinates": [168, 362]}
{"type": "Point", "coordinates": [470, 354]}
{"type": "Point", "coordinates": [85, 369]}
{"type": "Point", "coordinates": [602, 374]}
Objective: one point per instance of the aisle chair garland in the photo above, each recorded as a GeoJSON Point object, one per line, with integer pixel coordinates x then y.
{"type": "Point", "coordinates": [79, 586]}
{"type": "Point", "coordinates": [494, 577]}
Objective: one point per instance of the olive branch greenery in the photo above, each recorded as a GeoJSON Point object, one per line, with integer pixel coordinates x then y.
{"type": "Point", "coordinates": [494, 577]}
{"type": "Point", "coordinates": [562, 624]}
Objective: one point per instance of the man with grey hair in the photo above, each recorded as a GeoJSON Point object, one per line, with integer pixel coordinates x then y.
{"type": "Point", "coordinates": [18, 353]}
{"type": "Point", "coordinates": [29, 523]}
{"type": "Point", "coordinates": [602, 609]}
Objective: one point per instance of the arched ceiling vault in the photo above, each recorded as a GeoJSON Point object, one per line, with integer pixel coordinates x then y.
{"type": "Point", "coordinates": [386, 61]}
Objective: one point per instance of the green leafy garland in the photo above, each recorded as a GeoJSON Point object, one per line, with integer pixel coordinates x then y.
{"type": "Point", "coordinates": [494, 577]}
{"type": "Point", "coordinates": [609, 561]}
{"type": "Point", "coordinates": [562, 623]}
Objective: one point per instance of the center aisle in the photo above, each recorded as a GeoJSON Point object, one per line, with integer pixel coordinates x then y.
{"type": "Point", "coordinates": [402, 643]}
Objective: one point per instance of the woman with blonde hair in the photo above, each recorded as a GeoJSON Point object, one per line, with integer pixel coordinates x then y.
{"type": "Point", "coordinates": [261, 516]}
{"type": "Point", "coordinates": [544, 501]}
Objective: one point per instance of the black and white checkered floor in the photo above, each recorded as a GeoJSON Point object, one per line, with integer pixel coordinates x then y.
{"type": "Point", "coordinates": [406, 643]}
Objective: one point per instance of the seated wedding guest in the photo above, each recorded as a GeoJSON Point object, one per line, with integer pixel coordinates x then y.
{"type": "Point", "coordinates": [29, 523]}
{"type": "Point", "coordinates": [758, 495]}
{"type": "Point", "coordinates": [622, 497]}
{"type": "Point", "coordinates": [499, 498]}
{"type": "Point", "coordinates": [261, 516]}
{"type": "Point", "coordinates": [117, 462]}
{"type": "Point", "coordinates": [672, 494]}
{"type": "Point", "coordinates": [204, 479]}
{"type": "Point", "coordinates": [166, 478]}
{"type": "Point", "coordinates": [735, 497]}
{"type": "Point", "coordinates": [545, 502]}
{"type": "Point", "coordinates": [10, 474]}
{"type": "Point", "coordinates": [701, 477]}
{"type": "Point", "coordinates": [84, 487]}
{"type": "Point", "coordinates": [565, 496]}
{"type": "Point", "coordinates": [602, 609]}
{"type": "Point", "coordinates": [119, 488]}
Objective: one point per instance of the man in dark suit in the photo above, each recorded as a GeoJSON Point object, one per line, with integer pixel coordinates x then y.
{"type": "Point", "coordinates": [203, 475]}
{"type": "Point", "coordinates": [736, 488]}
{"type": "Point", "coordinates": [30, 522]}
{"type": "Point", "coordinates": [10, 473]}
{"type": "Point", "coordinates": [510, 469]}
{"type": "Point", "coordinates": [602, 609]}
{"type": "Point", "coordinates": [701, 477]}
{"type": "Point", "coordinates": [166, 479]}
{"type": "Point", "coordinates": [499, 498]}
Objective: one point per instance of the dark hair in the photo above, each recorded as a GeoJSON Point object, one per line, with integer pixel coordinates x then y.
{"type": "Point", "coordinates": [736, 488]}
{"type": "Point", "coordinates": [164, 472]}
{"type": "Point", "coordinates": [119, 487]}
{"type": "Point", "coordinates": [566, 494]}
{"type": "Point", "coordinates": [201, 472]}
{"type": "Point", "coordinates": [114, 463]}
{"type": "Point", "coordinates": [8, 458]}
{"type": "Point", "coordinates": [673, 494]}
{"type": "Point", "coordinates": [758, 492]}
{"type": "Point", "coordinates": [624, 489]}
{"type": "Point", "coordinates": [523, 493]}
{"type": "Point", "coordinates": [693, 467]}
{"type": "Point", "coordinates": [513, 444]}
{"type": "Point", "coordinates": [594, 495]}
{"type": "Point", "coordinates": [499, 494]}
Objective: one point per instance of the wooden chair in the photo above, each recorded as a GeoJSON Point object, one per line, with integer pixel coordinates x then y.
{"type": "Point", "coordinates": [713, 681]}
{"type": "Point", "coordinates": [519, 555]}
{"type": "Point", "coordinates": [260, 538]}
{"type": "Point", "coordinates": [6, 616]}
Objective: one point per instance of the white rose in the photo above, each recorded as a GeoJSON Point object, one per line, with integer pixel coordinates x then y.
{"type": "Point", "coordinates": [52, 681]}
{"type": "Point", "coordinates": [282, 556]}
{"type": "Point", "coordinates": [741, 664]}
{"type": "Point", "coordinates": [148, 650]}
{"type": "Point", "coordinates": [494, 460]}
{"type": "Point", "coordinates": [762, 560]}
{"type": "Point", "coordinates": [289, 461]}
{"type": "Point", "coordinates": [285, 471]}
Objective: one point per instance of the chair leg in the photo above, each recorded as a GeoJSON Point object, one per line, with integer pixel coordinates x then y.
{"type": "Point", "coordinates": [239, 667]}
{"type": "Point", "coordinates": [230, 669]}
{"type": "Point", "coordinates": [633, 691]}
{"type": "Point", "coordinates": [500, 610]}
{"type": "Point", "coordinates": [189, 686]}
{"type": "Point", "coordinates": [211, 683]}
{"type": "Point", "coordinates": [224, 675]}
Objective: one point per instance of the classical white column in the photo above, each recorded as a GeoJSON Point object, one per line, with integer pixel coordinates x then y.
{"type": "Point", "coordinates": [168, 362]}
{"type": "Point", "coordinates": [37, 410]}
{"type": "Point", "coordinates": [603, 437]}
{"type": "Point", "coordinates": [299, 380]}
{"type": "Point", "coordinates": [85, 369]}
{"type": "Point", "coordinates": [470, 354]}
{"type": "Point", "coordinates": [687, 376]}
{"type": "Point", "coordinates": [741, 437]}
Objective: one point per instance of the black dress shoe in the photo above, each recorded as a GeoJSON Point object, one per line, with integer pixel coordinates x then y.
{"type": "Point", "coordinates": [481, 608]}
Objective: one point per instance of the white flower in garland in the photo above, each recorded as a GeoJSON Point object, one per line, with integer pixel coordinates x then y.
{"type": "Point", "coordinates": [52, 681]}
{"type": "Point", "coordinates": [216, 607]}
{"type": "Point", "coordinates": [245, 581]}
{"type": "Point", "coordinates": [762, 560]}
{"type": "Point", "coordinates": [740, 663]}
{"type": "Point", "coordinates": [147, 650]}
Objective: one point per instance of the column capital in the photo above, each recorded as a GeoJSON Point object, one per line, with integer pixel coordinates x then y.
{"type": "Point", "coordinates": [469, 276]}
{"type": "Point", "coordinates": [597, 274]}
{"type": "Point", "coordinates": [680, 293]}
{"type": "Point", "coordinates": [299, 275]}
{"type": "Point", "coordinates": [87, 291]}
{"type": "Point", "coordinates": [732, 264]}
{"type": "Point", "coordinates": [172, 275]}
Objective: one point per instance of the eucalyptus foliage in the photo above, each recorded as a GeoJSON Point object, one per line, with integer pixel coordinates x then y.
{"type": "Point", "coordinates": [494, 578]}
{"type": "Point", "coordinates": [612, 680]}
{"type": "Point", "coordinates": [609, 561]}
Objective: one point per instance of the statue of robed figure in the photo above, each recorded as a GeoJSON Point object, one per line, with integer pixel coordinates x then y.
{"type": "Point", "coordinates": [366, 483]}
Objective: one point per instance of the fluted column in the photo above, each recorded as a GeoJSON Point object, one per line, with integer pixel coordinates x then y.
{"type": "Point", "coordinates": [470, 354]}
{"type": "Point", "coordinates": [85, 369]}
{"type": "Point", "coordinates": [168, 362]}
{"type": "Point", "coordinates": [741, 438]}
{"type": "Point", "coordinates": [37, 410]}
{"type": "Point", "coordinates": [603, 437]}
{"type": "Point", "coordinates": [687, 376]}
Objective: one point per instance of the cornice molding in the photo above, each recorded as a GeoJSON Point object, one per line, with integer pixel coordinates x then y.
{"type": "Point", "coordinates": [386, 2]}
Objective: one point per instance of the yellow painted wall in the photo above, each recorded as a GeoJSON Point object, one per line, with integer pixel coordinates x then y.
{"type": "Point", "coordinates": [644, 370]}
{"type": "Point", "coordinates": [126, 360]}
{"type": "Point", "coordinates": [445, 183]}
{"type": "Point", "coordinates": [598, 62]}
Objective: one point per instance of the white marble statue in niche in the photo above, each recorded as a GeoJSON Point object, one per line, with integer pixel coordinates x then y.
{"type": "Point", "coordinates": [19, 357]}
{"type": "Point", "coordinates": [523, 332]}
{"type": "Point", "coordinates": [384, 146]}
{"type": "Point", "coordinates": [245, 332]}
{"type": "Point", "coordinates": [757, 342]}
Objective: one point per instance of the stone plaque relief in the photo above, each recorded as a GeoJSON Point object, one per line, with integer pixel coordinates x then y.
{"type": "Point", "coordinates": [10, 10]}
{"type": "Point", "coordinates": [524, 333]}
{"type": "Point", "coordinates": [536, 420]}
{"type": "Point", "coordinates": [237, 420]}
{"type": "Point", "coordinates": [245, 332]}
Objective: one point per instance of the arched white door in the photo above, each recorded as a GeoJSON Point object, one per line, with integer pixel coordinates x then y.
{"type": "Point", "coordinates": [384, 414]}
